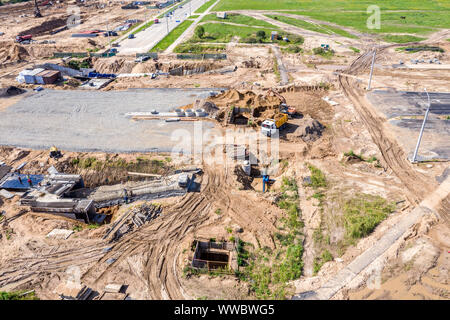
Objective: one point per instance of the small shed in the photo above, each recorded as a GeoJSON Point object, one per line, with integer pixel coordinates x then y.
{"type": "Point", "coordinates": [221, 15]}
{"type": "Point", "coordinates": [30, 75]}
{"type": "Point", "coordinates": [274, 35]}
{"type": "Point", "coordinates": [48, 77]}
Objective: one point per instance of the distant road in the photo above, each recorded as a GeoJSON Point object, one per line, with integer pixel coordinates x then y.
{"type": "Point", "coordinates": [147, 39]}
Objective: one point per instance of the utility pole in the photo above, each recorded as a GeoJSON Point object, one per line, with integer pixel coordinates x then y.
{"type": "Point", "coordinates": [167, 23]}
{"type": "Point", "coordinates": [421, 129]}
{"type": "Point", "coordinates": [371, 69]}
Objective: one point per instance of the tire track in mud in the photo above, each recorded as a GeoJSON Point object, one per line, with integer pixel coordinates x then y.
{"type": "Point", "coordinates": [31, 268]}
{"type": "Point", "coordinates": [418, 185]}
{"type": "Point", "coordinates": [158, 242]}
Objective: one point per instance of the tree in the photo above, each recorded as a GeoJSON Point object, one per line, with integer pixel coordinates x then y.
{"type": "Point", "coordinates": [200, 32]}
{"type": "Point", "coordinates": [261, 34]}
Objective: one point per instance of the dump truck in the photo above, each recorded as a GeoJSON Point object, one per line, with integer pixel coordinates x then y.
{"type": "Point", "coordinates": [270, 127]}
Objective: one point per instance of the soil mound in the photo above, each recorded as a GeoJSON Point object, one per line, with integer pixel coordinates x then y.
{"type": "Point", "coordinates": [310, 130]}
{"type": "Point", "coordinates": [13, 53]}
{"type": "Point", "coordinates": [10, 91]}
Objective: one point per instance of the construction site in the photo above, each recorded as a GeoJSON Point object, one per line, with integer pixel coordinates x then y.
{"type": "Point", "coordinates": [189, 150]}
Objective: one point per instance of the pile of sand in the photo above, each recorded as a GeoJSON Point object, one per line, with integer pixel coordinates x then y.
{"type": "Point", "coordinates": [250, 99]}
{"type": "Point", "coordinates": [309, 131]}
{"type": "Point", "coordinates": [13, 53]}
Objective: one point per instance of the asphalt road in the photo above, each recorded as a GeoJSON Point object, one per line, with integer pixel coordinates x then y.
{"type": "Point", "coordinates": [147, 39]}
{"type": "Point", "coordinates": [82, 120]}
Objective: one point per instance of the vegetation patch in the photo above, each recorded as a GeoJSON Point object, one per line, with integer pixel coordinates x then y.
{"type": "Point", "coordinates": [172, 36]}
{"type": "Point", "coordinates": [404, 38]}
{"type": "Point", "coordinates": [413, 49]}
{"type": "Point", "coordinates": [239, 19]}
{"type": "Point", "coordinates": [355, 49]}
{"type": "Point", "coordinates": [221, 32]}
{"type": "Point", "coordinates": [320, 260]}
{"type": "Point", "coordinates": [322, 52]}
{"type": "Point", "coordinates": [199, 48]}
{"type": "Point", "coordinates": [363, 213]}
{"type": "Point", "coordinates": [267, 270]}
{"type": "Point", "coordinates": [18, 295]}
{"type": "Point", "coordinates": [205, 6]}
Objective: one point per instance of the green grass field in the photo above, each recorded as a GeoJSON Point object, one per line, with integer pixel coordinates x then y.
{"type": "Point", "coordinates": [172, 36]}
{"type": "Point", "coordinates": [224, 33]}
{"type": "Point", "coordinates": [419, 18]}
{"type": "Point", "coordinates": [240, 19]}
{"type": "Point", "coordinates": [199, 48]}
{"type": "Point", "coordinates": [331, 5]}
{"type": "Point", "coordinates": [414, 22]}
{"type": "Point", "coordinates": [321, 28]}
{"type": "Point", "coordinates": [205, 7]}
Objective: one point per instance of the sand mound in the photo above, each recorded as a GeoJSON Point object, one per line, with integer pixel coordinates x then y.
{"type": "Point", "coordinates": [309, 131]}
{"type": "Point", "coordinates": [259, 102]}
{"type": "Point", "coordinates": [13, 53]}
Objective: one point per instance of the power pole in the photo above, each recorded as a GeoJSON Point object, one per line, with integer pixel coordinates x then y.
{"type": "Point", "coordinates": [371, 69]}
{"type": "Point", "coordinates": [167, 23]}
{"type": "Point", "coordinates": [421, 129]}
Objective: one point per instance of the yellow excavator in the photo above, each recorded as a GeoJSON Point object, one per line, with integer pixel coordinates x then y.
{"type": "Point", "coordinates": [55, 153]}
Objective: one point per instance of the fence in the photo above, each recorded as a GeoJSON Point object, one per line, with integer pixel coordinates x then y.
{"type": "Point", "coordinates": [215, 56]}
{"type": "Point", "coordinates": [152, 55]}
{"type": "Point", "coordinates": [83, 54]}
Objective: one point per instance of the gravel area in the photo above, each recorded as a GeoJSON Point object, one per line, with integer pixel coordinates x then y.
{"type": "Point", "coordinates": [95, 120]}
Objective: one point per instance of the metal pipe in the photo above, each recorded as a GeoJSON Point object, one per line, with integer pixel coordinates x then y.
{"type": "Point", "coordinates": [421, 129]}
{"type": "Point", "coordinates": [371, 69]}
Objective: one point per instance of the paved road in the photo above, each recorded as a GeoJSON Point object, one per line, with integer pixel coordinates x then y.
{"type": "Point", "coordinates": [147, 39]}
{"type": "Point", "coordinates": [82, 120]}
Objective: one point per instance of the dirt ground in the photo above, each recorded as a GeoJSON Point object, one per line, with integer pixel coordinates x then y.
{"type": "Point", "coordinates": [335, 117]}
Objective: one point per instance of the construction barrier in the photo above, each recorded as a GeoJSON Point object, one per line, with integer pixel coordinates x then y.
{"type": "Point", "coordinates": [215, 56]}
{"type": "Point", "coordinates": [70, 54]}
{"type": "Point", "coordinates": [82, 54]}
{"type": "Point", "coordinates": [152, 55]}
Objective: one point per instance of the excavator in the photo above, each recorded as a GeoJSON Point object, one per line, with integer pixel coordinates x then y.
{"type": "Point", "coordinates": [55, 153]}
{"type": "Point", "coordinates": [284, 108]}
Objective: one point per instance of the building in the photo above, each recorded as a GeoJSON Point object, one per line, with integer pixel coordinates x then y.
{"type": "Point", "coordinates": [47, 77]}
{"type": "Point", "coordinates": [221, 15]}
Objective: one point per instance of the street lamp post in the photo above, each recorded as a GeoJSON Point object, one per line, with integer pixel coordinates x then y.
{"type": "Point", "coordinates": [423, 127]}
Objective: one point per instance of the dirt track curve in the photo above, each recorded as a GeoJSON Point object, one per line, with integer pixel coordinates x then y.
{"type": "Point", "coordinates": [395, 158]}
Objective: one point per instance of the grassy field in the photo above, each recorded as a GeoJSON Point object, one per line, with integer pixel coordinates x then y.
{"type": "Point", "coordinates": [419, 17]}
{"type": "Point", "coordinates": [172, 36]}
{"type": "Point", "coordinates": [414, 22]}
{"type": "Point", "coordinates": [240, 19]}
{"type": "Point", "coordinates": [224, 33]}
{"type": "Point", "coordinates": [199, 48]}
{"type": "Point", "coordinates": [321, 28]}
{"type": "Point", "coordinates": [205, 7]}
{"type": "Point", "coordinates": [331, 5]}
{"type": "Point", "coordinates": [401, 38]}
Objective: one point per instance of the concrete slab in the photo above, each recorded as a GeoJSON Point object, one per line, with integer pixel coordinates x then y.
{"type": "Point", "coordinates": [92, 120]}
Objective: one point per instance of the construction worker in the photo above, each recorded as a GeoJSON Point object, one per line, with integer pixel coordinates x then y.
{"type": "Point", "coordinates": [125, 195]}
{"type": "Point", "coordinates": [29, 181]}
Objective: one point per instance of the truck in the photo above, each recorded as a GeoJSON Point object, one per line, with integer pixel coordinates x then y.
{"type": "Point", "coordinates": [21, 39]}
{"type": "Point", "coordinates": [270, 127]}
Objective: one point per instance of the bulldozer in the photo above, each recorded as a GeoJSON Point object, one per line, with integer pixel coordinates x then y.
{"type": "Point", "coordinates": [55, 153]}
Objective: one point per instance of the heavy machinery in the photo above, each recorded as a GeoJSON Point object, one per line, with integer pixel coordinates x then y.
{"type": "Point", "coordinates": [290, 111]}
{"type": "Point", "coordinates": [55, 153]}
{"type": "Point", "coordinates": [25, 38]}
{"type": "Point", "coordinates": [272, 126]}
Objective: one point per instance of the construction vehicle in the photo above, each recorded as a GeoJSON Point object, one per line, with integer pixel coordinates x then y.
{"type": "Point", "coordinates": [290, 111]}
{"type": "Point", "coordinates": [55, 153]}
{"type": "Point", "coordinates": [272, 126]}
{"type": "Point", "coordinates": [25, 38]}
